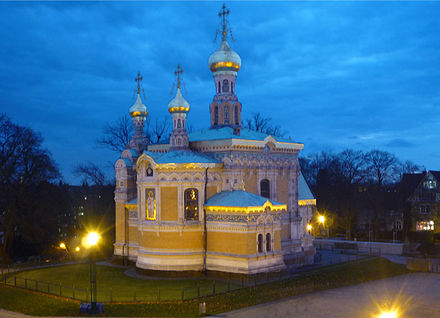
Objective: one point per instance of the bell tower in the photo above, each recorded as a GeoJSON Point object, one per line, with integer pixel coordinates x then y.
{"type": "Point", "coordinates": [138, 113]}
{"type": "Point", "coordinates": [179, 109]}
{"type": "Point", "coordinates": [224, 64]}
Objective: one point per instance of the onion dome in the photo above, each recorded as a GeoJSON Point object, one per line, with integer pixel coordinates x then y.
{"type": "Point", "coordinates": [178, 104]}
{"type": "Point", "coordinates": [224, 60]}
{"type": "Point", "coordinates": [138, 109]}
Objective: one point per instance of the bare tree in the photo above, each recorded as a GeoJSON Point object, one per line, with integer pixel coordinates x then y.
{"type": "Point", "coordinates": [351, 164]}
{"type": "Point", "coordinates": [263, 124]}
{"type": "Point", "coordinates": [382, 166]}
{"type": "Point", "coordinates": [117, 134]}
{"type": "Point", "coordinates": [410, 167]}
{"type": "Point", "coordinates": [24, 169]}
{"type": "Point", "coordinates": [312, 164]}
{"type": "Point", "coordinates": [91, 173]}
{"type": "Point", "coordinates": [159, 129]}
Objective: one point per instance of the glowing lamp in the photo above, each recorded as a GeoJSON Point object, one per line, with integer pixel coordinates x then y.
{"type": "Point", "coordinates": [77, 249]}
{"type": "Point", "coordinates": [388, 314]}
{"type": "Point", "coordinates": [92, 239]}
{"type": "Point", "coordinates": [321, 219]}
{"type": "Point", "coordinates": [309, 227]}
{"type": "Point", "coordinates": [63, 246]}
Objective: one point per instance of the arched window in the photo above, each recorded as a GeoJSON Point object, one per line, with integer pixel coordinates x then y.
{"type": "Point", "coordinates": [225, 87]}
{"type": "Point", "coordinates": [268, 243]}
{"type": "Point", "coordinates": [219, 86]}
{"type": "Point", "coordinates": [236, 115]}
{"type": "Point", "coordinates": [232, 88]}
{"type": "Point", "coordinates": [260, 243]}
{"type": "Point", "coordinates": [226, 117]}
{"type": "Point", "coordinates": [215, 115]}
{"type": "Point", "coordinates": [191, 204]}
{"type": "Point", "coordinates": [179, 123]}
{"type": "Point", "coordinates": [179, 141]}
{"type": "Point", "coordinates": [265, 188]}
{"type": "Point", "coordinates": [149, 171]}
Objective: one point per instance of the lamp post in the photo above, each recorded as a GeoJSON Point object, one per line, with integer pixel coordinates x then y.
{"type": "Point", "coordinates": [91, 242]}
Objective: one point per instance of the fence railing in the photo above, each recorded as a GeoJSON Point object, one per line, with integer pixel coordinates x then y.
{"type": "Point", "coordinates": [158, 294]}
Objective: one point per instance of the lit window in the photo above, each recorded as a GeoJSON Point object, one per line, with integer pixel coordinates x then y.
{"type": "Point", "coordinates": [430, 184]}
{"type": "Point", "coordinates": [191, 204]}
{"type": "Point", "coordinates": [425, 226]}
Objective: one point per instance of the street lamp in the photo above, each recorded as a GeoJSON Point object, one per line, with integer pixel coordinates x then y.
{"type": "Point", "coordinates": [91, 241]}
{"type": "Point", "coordinates": [388, 314]}
{"type": "Point", "coordinates": [321, 219]}
{"type": "Point", "coordinates": [309, 228]}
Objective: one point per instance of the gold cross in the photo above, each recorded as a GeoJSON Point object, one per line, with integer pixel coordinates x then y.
{"type": "Point", "coordinates": [138, 79]}
{"type": "Point", "coordinates": [178, 72]}
{"type": "Point", "coordinates": [222, 14]}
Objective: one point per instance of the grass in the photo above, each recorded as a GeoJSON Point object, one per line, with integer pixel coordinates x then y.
{"type": "Point", "coordinates": [114, 285]}
{"type": "Point", "coordinates": [324, 278]}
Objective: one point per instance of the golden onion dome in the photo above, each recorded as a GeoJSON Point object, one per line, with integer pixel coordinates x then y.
{"type": "Point", "coordinates": [138, 109]}
{"type": "Point", "coordinates": [224, 60]}
{"type": "Point", "coordinates": [178, 104]}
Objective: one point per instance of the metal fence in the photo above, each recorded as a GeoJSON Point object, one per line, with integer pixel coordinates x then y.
{"type": "Point", "coordinates": [166, 294]}
{"type": "Point", "coordinates": [111, 296]}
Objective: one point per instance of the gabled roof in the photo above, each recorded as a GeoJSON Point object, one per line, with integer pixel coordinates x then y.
{"type": "Point", "coordinates": [410, 181]}
{"type": "Point", "coordinates": [228, 133]}
{"type": "Point", "coordinates": [436, 174]}
{"type": "Point", "coordinates": [239, 198]}
{"type": "Point", "coordinates": [304, 192]}
{"type": "Point", "coordinates": [181, 156]}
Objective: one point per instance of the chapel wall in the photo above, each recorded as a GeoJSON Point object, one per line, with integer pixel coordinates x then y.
{"type": "Point", "coordinates": [175, 240]}
{"type": "Point", "coordinates": [120, 220]}
{"type": "Point", "coordinates": [168, 204]}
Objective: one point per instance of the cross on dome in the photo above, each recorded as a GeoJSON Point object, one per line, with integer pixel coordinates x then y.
{"type": "Point", "coordinates": [138, 79]}
{"type": "Point", "coordinates": [222, 14]}
{"type": "Point", "coordinates": [178, 72]}
{"type": "Point", "coordinates": [224, 24]}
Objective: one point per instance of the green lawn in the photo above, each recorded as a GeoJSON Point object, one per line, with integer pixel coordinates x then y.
{"type": "Point", "coordinates": [318, 279]}
{"type": "Point", "coordinates": [113, 285]}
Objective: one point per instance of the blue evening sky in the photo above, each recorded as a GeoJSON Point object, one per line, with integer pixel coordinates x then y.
{"type": "Point", "coordinates": [334, 75]}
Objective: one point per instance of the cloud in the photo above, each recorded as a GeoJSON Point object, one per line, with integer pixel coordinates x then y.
{"type": "Point", "coordinates": [399, 143]}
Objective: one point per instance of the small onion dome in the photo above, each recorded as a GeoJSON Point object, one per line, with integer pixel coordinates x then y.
{"type": "Point", "coordinates": [178, 104]}
{"type": "Point", "coordinates": [224, 60]}
{"type": "Point", "coordinates": [138, 109]}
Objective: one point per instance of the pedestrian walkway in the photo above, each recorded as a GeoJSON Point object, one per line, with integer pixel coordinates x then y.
{"type": "Point", "coordinates": [416, 295]}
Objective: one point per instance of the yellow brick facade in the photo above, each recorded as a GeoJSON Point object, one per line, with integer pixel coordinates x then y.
{"type": "Point", "coordinates": [168, 203]}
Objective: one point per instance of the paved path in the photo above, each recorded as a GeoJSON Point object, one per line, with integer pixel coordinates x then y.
{"type": "Point", "coordinates": [418, 294]}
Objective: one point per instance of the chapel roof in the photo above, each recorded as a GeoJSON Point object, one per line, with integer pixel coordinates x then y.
{"type": "Point", "coordinates": [181, 156]}
{"type": "Point", "coordinates": [228, 133]}
{"type": "Point", "coordinates": [304, 192]}
{"type": "Point", "coordinates": [133, 201]}
{"type": "Point", "coordinates": [238, 198]}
